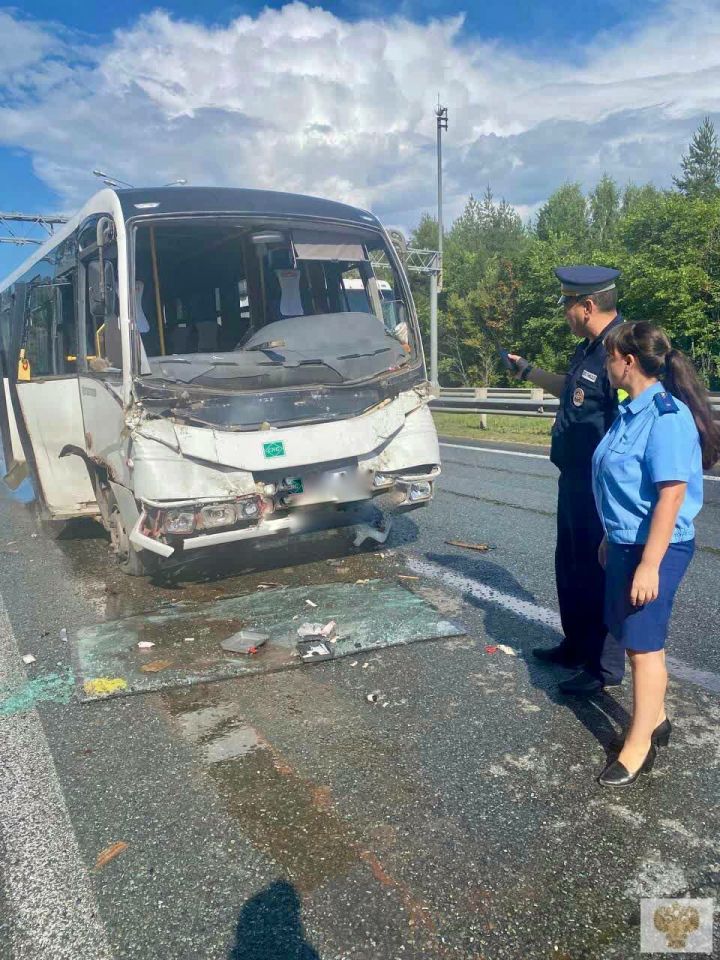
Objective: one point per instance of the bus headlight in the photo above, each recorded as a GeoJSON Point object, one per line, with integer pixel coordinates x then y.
{"type": "Point", "coordinates": [383, 480]}
{"type": "Point", "coordinates": [249, 509]}
{"type": "Point", "coordinates": [218, 515]}
{"type": "Point", "coordinates": [420, 490]}
{"type": "Point", "coordinates": [179, 521]}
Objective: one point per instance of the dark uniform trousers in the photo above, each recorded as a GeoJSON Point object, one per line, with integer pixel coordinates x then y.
{"type": "Point", "coordinates": [581, 579]}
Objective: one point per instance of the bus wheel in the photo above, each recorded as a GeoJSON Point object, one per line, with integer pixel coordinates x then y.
{"type": "Point", "coordinates": [135, 563]}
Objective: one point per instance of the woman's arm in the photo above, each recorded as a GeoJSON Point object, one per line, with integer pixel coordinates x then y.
{"type": "Point", "coordinates": [645, 585]}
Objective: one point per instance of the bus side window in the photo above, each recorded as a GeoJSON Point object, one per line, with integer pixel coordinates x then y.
{"type": "Point", "coordinates": [40, 330]}
{"type": "Point", "coordinates": [103, 341]}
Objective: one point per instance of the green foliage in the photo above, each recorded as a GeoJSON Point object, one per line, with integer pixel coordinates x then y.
{"type": "Point", "coordinates": [701, 165]}
{"type": "Point", "coordinates": [500, 289]}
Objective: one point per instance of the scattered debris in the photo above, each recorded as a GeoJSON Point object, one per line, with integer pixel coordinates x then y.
{"type": "Point", "coordinates": [155, 666]}
{"type": "Point", "coordinates": [354, 663]}
{"type": "Point", "coordinates": [28, 658]}
{"type": "Point", "coordinates": [245, 641]}
{"type": "Point", "coordinates": [364, 531]}
{"type": "Point", "coordinates": [329, 628]}
{"type": "Point", "coordinates": [63, 635]}
{"type": "Point", "coordinates": [109, 853]}
{"type": "Point", "coordinates": [365, 666]}
{"type": "Point", "coordinates": [311, 604]}
{"type": "Point", "coordinates": [189, 640]}
{"type": "Point", "coordinates": [313, 649]}
{"type": "Point", "coordinates": [373, 697]}
{"type": "Point", "coordinates": [267, 586]}
{"type": "Point", "coordinates": [310, 630]}
{"type": "Point", "coordinates": [145, 645]}
{"type": "Point", "coordinates": [480, 547]}
{"type": "Point", "coordinates": [33, 536]}
{"type": "Point", "coordinates": [510, 651]}
{"type": "Point", "coordinates": [104, 686]}
{"type": "Point", "coordinates": [491, 648]}
{"type": "Point", "coordinates": [405, 576]}
{"type": "Point", "coordinates": [362, 581]}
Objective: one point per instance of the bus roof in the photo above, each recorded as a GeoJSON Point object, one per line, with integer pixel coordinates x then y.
{"type": "Point", "coordinates": [181, 200]}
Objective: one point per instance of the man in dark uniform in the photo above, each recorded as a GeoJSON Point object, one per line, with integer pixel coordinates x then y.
{"type": "Point", "coordinates": [588, 406]}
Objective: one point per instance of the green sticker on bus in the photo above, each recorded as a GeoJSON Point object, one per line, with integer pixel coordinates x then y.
{"type": "Point", "coordinates": [274, 449]}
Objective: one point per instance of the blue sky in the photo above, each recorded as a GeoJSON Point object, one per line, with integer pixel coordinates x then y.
{"type": "Point", "coordinates": [336, 99]}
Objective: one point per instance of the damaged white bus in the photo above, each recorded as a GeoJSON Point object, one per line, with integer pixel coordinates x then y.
{"type": "Point", "coordinates": [205, 366]}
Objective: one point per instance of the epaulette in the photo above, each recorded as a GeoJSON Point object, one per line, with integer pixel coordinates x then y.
{"type": "Point", "coordinates": [665, 403]}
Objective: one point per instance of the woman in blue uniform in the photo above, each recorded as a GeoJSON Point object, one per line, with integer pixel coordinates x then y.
{"type": "Point", "coordinates": [648, 487]}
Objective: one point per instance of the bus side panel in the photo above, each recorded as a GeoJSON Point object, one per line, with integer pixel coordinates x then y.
{"type": "Point", "coordinates": [53, 420]}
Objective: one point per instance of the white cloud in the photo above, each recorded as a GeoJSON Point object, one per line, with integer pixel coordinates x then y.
{"type": "Point", "coordinates": [298, 99]}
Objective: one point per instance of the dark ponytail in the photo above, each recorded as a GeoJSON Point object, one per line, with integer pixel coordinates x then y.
{"type": "Point", "coordinates": [658, 358]}
{"type": "Point", "coordinates": [682, 381]}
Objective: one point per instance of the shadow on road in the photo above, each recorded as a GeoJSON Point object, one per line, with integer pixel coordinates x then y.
{"type": "Point", "coordinates": [270, 928]}
{"type": "Point", "coordinates": [600, 714]}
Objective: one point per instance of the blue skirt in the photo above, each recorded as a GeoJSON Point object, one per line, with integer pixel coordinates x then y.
{"type": "Point", "coordinates": [642, 628]}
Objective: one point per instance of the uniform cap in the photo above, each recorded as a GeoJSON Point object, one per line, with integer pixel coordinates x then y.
{"type": "Point", "coordinates": [584, 280]}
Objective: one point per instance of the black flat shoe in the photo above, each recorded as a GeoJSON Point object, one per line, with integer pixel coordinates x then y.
{"type": "Point", "coordinates": [616, 774]}
{"type": "Point", "coordinates": [559, 656]}
{"type": "Point", "coordinates": [660, 736]}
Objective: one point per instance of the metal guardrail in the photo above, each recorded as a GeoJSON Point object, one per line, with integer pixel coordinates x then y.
{"type": "Point", "coordinates": [512, 401]}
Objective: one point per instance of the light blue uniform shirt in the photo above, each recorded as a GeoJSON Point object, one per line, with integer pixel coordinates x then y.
{"type": "Point", "coordinates": [643, 447]}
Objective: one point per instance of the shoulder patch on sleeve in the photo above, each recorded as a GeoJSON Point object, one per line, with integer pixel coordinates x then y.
{"type": "Point", "coordinates": [665, 403]}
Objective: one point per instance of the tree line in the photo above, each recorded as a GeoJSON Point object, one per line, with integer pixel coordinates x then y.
{"type": "Point", "coordinates": [499, 288]}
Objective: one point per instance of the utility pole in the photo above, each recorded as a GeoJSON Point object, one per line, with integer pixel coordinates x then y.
{"type": "Point", "coordinates": [441, 115]}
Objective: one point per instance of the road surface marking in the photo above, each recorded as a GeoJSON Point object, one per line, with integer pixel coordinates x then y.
{"type": "Point", "coordinates": [530, 456]}
{"type": "Point", "coordinates": [52, 907]}
{"type": "Point", "coordinates": [543, 615]}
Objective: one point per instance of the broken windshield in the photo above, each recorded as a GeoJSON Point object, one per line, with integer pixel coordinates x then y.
{"type": "Point", "coordinates": [245, 305]}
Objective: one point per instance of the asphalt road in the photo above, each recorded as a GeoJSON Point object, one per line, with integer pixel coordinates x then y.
{"type": "Point", "coordinates": [285, 816]}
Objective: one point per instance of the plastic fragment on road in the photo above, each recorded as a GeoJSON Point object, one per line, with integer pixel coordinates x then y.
{"type": "Point", "coordinates": [145, 645]}
{"type": "Point", "coordinates": [480, 547]}
{"type": "Point", "coordinates": [155, 666]}
{"type": "Point", "coordinates": [491, 648]}
{"type": "Point", "coordinates": [310, 603]}
{"type": "Point", "coordinates": [28, 658]}
{"type": "Point", "coordinates": [364, 531]}
{"type": "Point", "coordinates": [189, 640]}
{"type": "Point", "coordinates": [104, 686]}
{"type": "Point", "coordinates": [109, 853]}
{"type": "Point", "coordinates": [63, 635]}
{"type": "Point", "coordinates": [245, 641]}
{"type": "Point", "coordinates": [406, 576]}
{"type": "Point", "coordinates": [510, 651]}
{"type": "Point", "coordinates": [312, 649]}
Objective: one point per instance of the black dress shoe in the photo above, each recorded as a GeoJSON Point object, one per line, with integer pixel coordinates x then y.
{"type": "Point", "coordinates": [560, 656]}
{"type": "Point", "coordinates": [583, 684]}
{"type": "Point", "coordinates": [660, 736]}
{"type": "Point", "coordinates": [616, 774]}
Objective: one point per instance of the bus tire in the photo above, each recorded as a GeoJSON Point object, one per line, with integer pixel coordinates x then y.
{"type": "Point", "coordinates": [133, 562]}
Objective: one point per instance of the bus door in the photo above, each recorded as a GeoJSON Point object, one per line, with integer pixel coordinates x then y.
{"type": "Point", "coordinates": [49, 414]}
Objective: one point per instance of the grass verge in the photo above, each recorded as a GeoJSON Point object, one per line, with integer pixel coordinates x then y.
{"type": "Point", "coordinates": [511, 429]}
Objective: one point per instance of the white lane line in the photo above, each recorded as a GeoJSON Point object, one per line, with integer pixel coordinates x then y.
{"type": "Point", "coordinates": [530, 456]}
{"type": "Point", "coordinates": [543, 615]}
{"type": "Point", "coordinates": [52, 907]}
{"type": "Point", "coordinates": [506, 453]}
